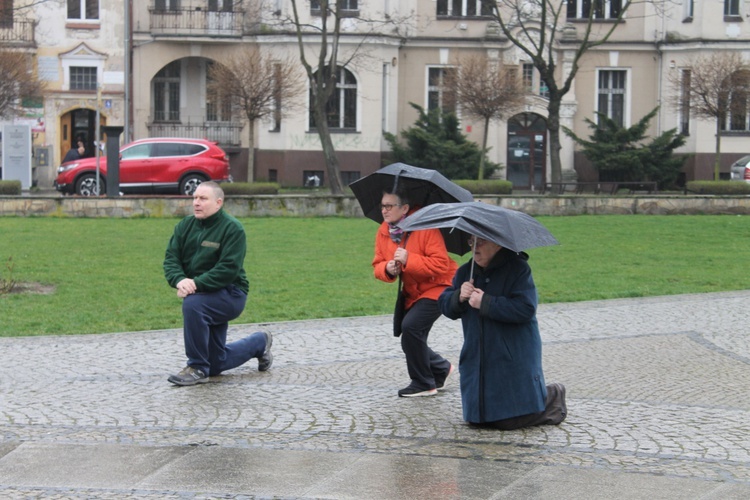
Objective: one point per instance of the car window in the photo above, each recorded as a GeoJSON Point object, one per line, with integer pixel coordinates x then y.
{"type": "Point", "coordinates": [137, 151]}
{"type": "Point", "coordinates": [176, 149]}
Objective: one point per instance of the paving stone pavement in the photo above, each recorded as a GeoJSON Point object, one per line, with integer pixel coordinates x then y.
{"type": "Point", "coordinates": [658, 405]}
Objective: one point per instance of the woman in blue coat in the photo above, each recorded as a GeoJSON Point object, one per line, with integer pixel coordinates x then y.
{"type": "Point", "coordinates": [502, 383]}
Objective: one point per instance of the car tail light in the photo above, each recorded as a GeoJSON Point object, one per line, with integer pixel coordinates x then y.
{"type": "Point", "coordinates": [747, 174]}
{"type": "Point", "coordinates": [220, 156]}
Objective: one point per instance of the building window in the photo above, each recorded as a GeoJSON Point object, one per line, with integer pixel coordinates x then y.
{"type": "Point", "coordinates": [602, 9]}
{"type": "Point", "coordinates": [738, 115]}
{"type": "Point", "coordinates": [532, 81]}
{"type": "Point", "coordinates": [164, 5]}
{"type": "Point", "coordinates": [82, 78]}
{"type": "Point", "coordinates": [312, 178]}
{"type": "Point", "coordinates": [349, 7]}
{"type": "Point", "coordinates": [218, 107]}
{"type": "Point", "coordinates": [349, 176]}
{"type": "Point", "coordinates": [611, 95]}
{"type": "Point", "coordinates": [167, 93]}
{"type": "Point", "coordinates": [731, 8]}
{"type": "Point", "coordinates": [276, 116]}
{"type": "Point", "coordinates": [83, 9]}
{"type": "Point", "coordinates": [684, 105]}
{"type": "Point", "coordinates": [464, 8]}
{"type": "Point", "coordinates": [341, 108]}
{"type": "Point", "coordinates": [687, 10]}
{"type": "Point", "coordinates": [438, 93]}
{"type": "Point", "coordinates": [220, 5]}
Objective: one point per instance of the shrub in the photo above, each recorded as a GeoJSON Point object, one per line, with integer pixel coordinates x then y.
{"type": "Point", "coordinates": [486, 187]}
{"type": "Point", "coordinates": [718, 187]}
{"type": "Point", "coordinates": [435, 141]}
{"type": "Point", "coordinates": [250, 188]}
{"type": "Point", "coordinates": [10, 187]}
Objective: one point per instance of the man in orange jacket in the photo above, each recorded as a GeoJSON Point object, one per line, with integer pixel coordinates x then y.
{"type": "Point", "coordinates": [422, 262]}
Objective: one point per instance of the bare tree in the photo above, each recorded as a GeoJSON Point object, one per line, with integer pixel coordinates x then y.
{"type": "Point", "coordinates": [713, 87]}
{"type": "Point", "coordinates": [256, 85]}
{"type": "Point", "coordinates": [486, 89]}
{"type": "Point", "coordinates": [537, 27]}
{"type": "Point", "coordinates": [323, 72]}
{"type": "Point", "coordinates": [18, 81]}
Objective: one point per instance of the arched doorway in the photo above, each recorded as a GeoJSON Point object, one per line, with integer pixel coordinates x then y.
{"type": "Point", "coordinates": [79, 124]}
{"type": "Point", "coordinates": [527, 151]}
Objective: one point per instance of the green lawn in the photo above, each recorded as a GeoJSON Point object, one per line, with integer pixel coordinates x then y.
{"type": "Point", "coordinates": [108, 277]}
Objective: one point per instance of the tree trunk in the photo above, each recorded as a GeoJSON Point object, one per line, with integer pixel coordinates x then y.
{"type": "Point", "coordinates": [484, 148]}
{"type": "Point", "coordinates": [717, 156]}
{"type": "Point", "coordinates": [329, 152]}
{"type": "Point", "coordinates": [553, 126]}
{"type": "Point", "coordinates": [251, 152]}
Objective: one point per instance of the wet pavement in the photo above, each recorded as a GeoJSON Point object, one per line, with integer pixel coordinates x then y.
{"type": "Point", "coordinates": [657, 389]}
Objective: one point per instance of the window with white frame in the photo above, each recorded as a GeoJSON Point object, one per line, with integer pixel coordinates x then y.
{"type": "Point", "coordinates": [218, 106]}
{"type": "Point", "coordinates": [532, 81]}
{"type": "Point", "coordinates": [163, 5]}
{"type": "Point", "coordinates": [684, 105]}
{"type": "Point", "coordinates": [166, 93]}
{"type": "Point", "coordinates": [687, 10]}
{"type": "Point", "coordinates": [738, 115]}
{"type": "Point", "coordinates": [83, 9]}
{"type": "Point", "coordinates": [464, 8]}
{"type": "Point", "coordinates": [611, 95]}
{"type": "Point", "coordinates": [344, 5]}
{"type": "Point", "coordinates": [83, 77]}
{"type": "Point", "coordinates": [595, 9]}
{"type": "Point", "coordinates": [731, 8]}
{"type": "Point", "coordinates": [341, 108]}
{"type": "Point", "coordinates": [438, 93]}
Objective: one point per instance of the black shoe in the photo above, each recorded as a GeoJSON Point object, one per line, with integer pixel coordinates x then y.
{"type": "Point", "coordinates": [412, 392]}
{"type": "Point", "coordinates": [440, 384]}
{"type": "Point", "coordinates": [560, 402]}
{"type": "Point", "coordinates": [266, 359]}
{"type": "Point", "coordinates": [189, 376]}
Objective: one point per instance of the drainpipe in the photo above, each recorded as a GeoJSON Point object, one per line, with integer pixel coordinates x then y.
{"type": "Point", "coordinates": [128, 79]}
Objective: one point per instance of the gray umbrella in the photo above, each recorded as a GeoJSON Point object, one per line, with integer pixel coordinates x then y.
{"type": "Point", "coordinates": [424, 186]}
{"type": "Point", "coordinates": [510, 229]}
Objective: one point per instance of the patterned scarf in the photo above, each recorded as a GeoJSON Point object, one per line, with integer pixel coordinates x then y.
{"type": "Point", "coordinates": [396, 232]}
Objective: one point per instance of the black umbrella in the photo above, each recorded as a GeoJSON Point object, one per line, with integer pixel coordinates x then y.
{"type": "Point", "coordinates": [424, 187]}
{"type": "Point", "coordinates": [510, 229]}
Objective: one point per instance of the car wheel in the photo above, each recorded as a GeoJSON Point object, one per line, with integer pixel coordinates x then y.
{"type": "Point", "coordinates": [86, 185]}
{"type": "Point", "coordinates": [189, 183]}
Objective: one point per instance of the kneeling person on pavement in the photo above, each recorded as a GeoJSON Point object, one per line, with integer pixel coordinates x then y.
{"type": "Point", "coordinates": [204, 262]}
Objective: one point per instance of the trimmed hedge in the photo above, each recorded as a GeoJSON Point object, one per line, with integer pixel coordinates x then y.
{"type": "Point", "coordinates": [486, 187]}
{"type": "Point", "coordinates": [718, 187]}
{"type": "Point", "coordinates": [250, 188]}
{"type": "Point", "coordinates": [10, 187]}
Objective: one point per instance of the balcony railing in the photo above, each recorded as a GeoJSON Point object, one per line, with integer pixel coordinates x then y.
{"type": "Point", "coordinates": [225, 133]}
{"type": "Point", "coordinates": [195, 22]}
{"type": "Point", "coordinates": [18, 32]}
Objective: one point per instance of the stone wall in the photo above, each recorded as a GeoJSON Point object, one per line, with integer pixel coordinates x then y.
{"type": "Point", "coordinates": [305, 205]}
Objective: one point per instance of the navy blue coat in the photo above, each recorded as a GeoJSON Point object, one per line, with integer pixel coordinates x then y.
{"type": "Point", "coordinates": [501, 359]}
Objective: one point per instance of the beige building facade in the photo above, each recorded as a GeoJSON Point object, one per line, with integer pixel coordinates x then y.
{"type": "Point", "coordinates": [81, 47]}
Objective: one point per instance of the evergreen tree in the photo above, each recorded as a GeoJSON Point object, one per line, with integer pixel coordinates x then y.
{"type": "Point", "coordinates": [621, 154]}
{"type": "Point", "coordinates": [435, 141]}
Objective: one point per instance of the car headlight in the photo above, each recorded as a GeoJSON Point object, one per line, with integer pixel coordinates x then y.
{"type": "Point", "coordinates": [64, 168]}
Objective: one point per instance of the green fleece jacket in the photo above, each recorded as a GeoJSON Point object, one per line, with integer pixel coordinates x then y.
{"type": "Point", "coordinates": [211, 251]}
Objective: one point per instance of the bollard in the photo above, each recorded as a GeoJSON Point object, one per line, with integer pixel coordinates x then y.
{"type": "Point", "coordinates": [113, 159]}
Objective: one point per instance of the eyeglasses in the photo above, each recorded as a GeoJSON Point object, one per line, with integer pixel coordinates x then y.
{"type": "Point", "coordinates": [479, 241]}
{"type": "Point", "coordinates": [389, 206]}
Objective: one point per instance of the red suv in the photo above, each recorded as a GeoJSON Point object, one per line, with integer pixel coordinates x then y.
{"type": "Point", "coordinates": [149, 166]}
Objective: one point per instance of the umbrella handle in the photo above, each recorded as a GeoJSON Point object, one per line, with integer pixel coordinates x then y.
{"type": "Point", "coordinates": [473, 249]}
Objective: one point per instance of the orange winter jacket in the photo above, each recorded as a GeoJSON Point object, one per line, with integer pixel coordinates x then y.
{"type": "Point", "coordinates": [429, 269]}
